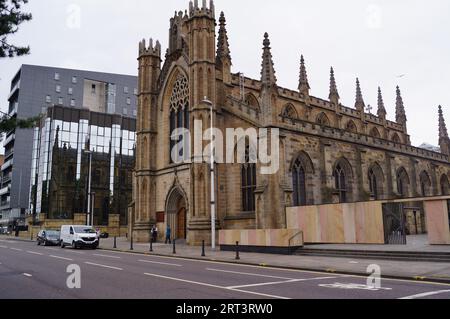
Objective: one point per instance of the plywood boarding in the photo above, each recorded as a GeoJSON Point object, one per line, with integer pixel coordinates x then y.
{"type": "Point", "coordinates": [437, 222]}
{"type": "Point", "coordinates": [261, 238]}
{"type": "Point", "coordinates": [353, 223]}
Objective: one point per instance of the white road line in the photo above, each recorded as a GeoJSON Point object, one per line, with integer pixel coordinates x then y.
{"type": "Point", "coordinates": [248, 274]}
{"type": "Point", "coordinates": [279, 282]}
{"type": "Point", "coordinates": [52, 249]}
{"type": "Point", "coordinates": [27, 275]}
{"type": "Point", "coordinates": [3, 247]}
{"type": "Point", "coordinates": [214, 286]}
{"type": "Point", "coordinates": [426, 294]}
{"type": "Point", "coordinates": [159, 263]}
{"type": "Point", "coordinates": [34, 253]}
{"type": "Point", "coordinates": [74, 252]}
{"type": "Point", "coordinates": [16, 249]}
{"type": "Point", "coordinates": [63, 258]}
{"type": "Point", "coordinates": [100, 255]}
{"type": "Point", "coordinates": [103, 266]}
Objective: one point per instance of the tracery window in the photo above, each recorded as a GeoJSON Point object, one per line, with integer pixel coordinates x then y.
{"type": "Point", "coordinates": [248, 182]}
{"type": "Point", "coordinates": [179, 117]}
{"type": "Point", "coordinates": [299, 183]}
{"type": "Point", "coordinates": [340, 183]}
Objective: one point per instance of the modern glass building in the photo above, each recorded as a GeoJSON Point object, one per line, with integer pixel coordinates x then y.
{"type": "Point", "coordinates": [67, 143]}
{"type": "Point", "coordinates": [33, 90]}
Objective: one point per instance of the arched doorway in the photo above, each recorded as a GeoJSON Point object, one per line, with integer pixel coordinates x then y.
{"type": "Point", "coordinates": [176, 213]}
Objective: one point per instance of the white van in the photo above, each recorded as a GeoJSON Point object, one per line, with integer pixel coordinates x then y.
{"type": "Point", "coordinates": [78, 236]}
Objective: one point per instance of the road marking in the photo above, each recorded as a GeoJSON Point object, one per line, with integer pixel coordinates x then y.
{"type": "Point", "coordinates": [353, 262]}
{"type": "Point", "coordinates": [3, 247]}
{"type": "Point", "coordinates": [100, 255]}
{"type": "Point", "coordinates": [27, 275]}
{"type": "Point", "coordinates": [63, 258]}
{"type": "Point", "coordinates": [280, 282]}
{"type": "Point", "coordinates": [211, 261]}
{"type": "Point", "coordinates": [104, 266]}
{"type": "Point", "coordinates": [52, 249]}
{"type": "Point", "coordinates": [248, 274]}
{"type": "Point", "coordinates": [426, 294]}
{"type": "Point", "coordinates": [16, 249]}
{"type": "Point", "coordinates": [346, 286]}
{"type": "Point", "coordinates": [75, 252]}
{"type": "Point", "coordinates": [159, 263]}
{"type": "Point", "coordinates": [34, 253]}
{"type": "Point", "coordinates": [214, 286]}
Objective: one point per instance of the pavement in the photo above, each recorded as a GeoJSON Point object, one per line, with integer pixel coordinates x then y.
{"type": "Point", "coordinates": [415, 243]}
{"type": "Point", "coordinates": [31, 271]}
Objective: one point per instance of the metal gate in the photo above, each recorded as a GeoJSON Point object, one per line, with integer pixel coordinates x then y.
{"type": "Point", "coordinates": [394, 224]}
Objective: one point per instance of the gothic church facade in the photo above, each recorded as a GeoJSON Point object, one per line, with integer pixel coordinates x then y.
{"type": "Point", "coordinates": [329, 153]}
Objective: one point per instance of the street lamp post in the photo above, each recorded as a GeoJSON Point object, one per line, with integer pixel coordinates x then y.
{"type": "Point", "coordinates": [88, 214]}
{"type": "Point", "coordinates": [213, 179]}
{"type": "Point", "coordinates": [92, 209]}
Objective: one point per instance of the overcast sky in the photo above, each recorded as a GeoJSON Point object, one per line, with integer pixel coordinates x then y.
{"type": "Point", "coordinates": [383, 42]}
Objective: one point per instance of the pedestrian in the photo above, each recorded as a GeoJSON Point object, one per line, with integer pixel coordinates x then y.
{"type": "Point", "coordinates": [168, 235]}
{"type": "Point", "coordinates": [155, 234]}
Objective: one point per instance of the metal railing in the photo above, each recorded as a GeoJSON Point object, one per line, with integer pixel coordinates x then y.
{"type": "Point", "coordinates": [292, 239]}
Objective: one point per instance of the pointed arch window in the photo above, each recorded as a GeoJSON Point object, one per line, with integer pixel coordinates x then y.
{"type": "Point", "coordinates": [396, 139]}
{"type": "Point", "coordinates": [299, 183]}
{"type": "Point", "coordinates": [179, 117]}
{"type": "Point", "coordinates": [323, 120]}
{"type": "Point", "coordinates": [375, 133]}
{"type": "Point", "coordinates": [351, 127]}
{"type": "Point", "coordinates": [373, 185]}
{"type": "Point", "coordinates": [402, 183]}
{"type": "Point", "coordinates": [425, 184]}
{"type": "Point", "coordinates": [340, 181]}
{"type": "Point", "coordinates": [248, 182]}
{"type": "Point", "coordinates": [289, 112]}
{"type": "Point", "coordinates": [445, 186]}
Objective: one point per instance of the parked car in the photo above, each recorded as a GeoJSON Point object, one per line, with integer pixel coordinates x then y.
{"type": "Point", "coordinates": [104, 235]}
{"type": "Point", "coordinates": [78, 236]}
{"type": "Point", "coordinates": [48, 238]}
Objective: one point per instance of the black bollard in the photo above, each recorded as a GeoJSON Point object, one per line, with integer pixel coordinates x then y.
{"type": "Point", "coordinates": [115, 242]}
{"type": "Point", "coordinates": [237, 251]}
{"type": "Point", "coordinates": [203, 249]}
{"type": "Point", "coordinates": [131, 243]}
{"type": "Point", "coordinates": [174, 249]}
{"type": "Point", "coordinates": [151, 245]}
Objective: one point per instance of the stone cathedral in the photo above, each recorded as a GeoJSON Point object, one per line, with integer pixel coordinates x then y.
{"type": "Point", "coordinates": [329, 153]}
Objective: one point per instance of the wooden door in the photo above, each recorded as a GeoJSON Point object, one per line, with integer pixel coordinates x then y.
{"type": "Point", "coordinates": [181, 225]}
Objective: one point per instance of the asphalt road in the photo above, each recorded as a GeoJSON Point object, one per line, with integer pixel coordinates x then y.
{"type": "Point", "coordinates": [31, 271]}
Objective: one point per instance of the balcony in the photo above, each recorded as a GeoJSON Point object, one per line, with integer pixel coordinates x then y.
{"type": "Point", "coordinates": [7, 178]}
{"type": "Point", "coordinates": [5, 205]}
{"type": "Point", "coordinates": [14, 90]}
{"type": "Point", "coordinates": [9, 153]}
{"type": "Point", "coordinates": [7, 164]}
{"type": "Point", "coordinates": [5, 190]}
{"type": "Point", "coordinates": [13, 112]}
{"type": "Point", "coordinates": [9, 139]}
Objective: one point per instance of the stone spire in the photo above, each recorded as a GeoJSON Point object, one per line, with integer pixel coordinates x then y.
{"type": "Point", "coordinates": [334, 95]}
{"type": "Point", "coordinates": [400, 114]}
{"type": "Point", "coordinates": [359, 104]}
{"type": "Point", "coordinates": [303, 86]}
{"type": "Point", "coordinates": [381, 109]}
{"type": "Point", "coordinates": [223, 47]}
{"type": "Point", "coordinates": [444, 141]}
{"type": "Point", "coordinates": [443, 133]}
{"type": "Point", "coordinates": [268, 77]}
